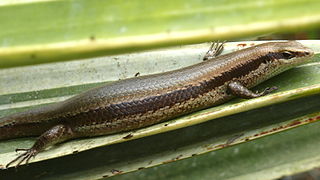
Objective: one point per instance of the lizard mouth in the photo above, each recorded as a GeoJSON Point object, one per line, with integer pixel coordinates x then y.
{"type": "Point", "coordinates": [303, 54]}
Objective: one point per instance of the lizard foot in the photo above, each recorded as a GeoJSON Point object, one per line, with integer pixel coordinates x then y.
{"type": "Point", "coordinates": [26, 156]}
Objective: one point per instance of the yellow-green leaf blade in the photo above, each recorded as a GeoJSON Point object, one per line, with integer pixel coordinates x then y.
{"type": "Point", "coordinates": [48, 31]}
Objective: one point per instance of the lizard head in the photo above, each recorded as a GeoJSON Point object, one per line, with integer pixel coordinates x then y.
{"type": "Point", "coordinates": [290, 53]}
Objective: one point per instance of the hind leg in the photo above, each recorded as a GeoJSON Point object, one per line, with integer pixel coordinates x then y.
{"type": "Point", "coordinates": [57, 134]}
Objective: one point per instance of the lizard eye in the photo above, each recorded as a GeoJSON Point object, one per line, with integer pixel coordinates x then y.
{"type": "Point", "coordinates": [287, 55]}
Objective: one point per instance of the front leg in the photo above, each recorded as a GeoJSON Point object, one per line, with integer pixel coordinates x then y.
{"type": "Point", "coordinates": [53, 136]}
{"type": "Point", "coordinates": [215, 50]}
{"type": "Point", "coordinates": [237, 89]}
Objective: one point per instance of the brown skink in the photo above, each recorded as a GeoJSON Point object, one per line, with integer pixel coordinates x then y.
{"type": "Point", "coordinates": [142, 101]}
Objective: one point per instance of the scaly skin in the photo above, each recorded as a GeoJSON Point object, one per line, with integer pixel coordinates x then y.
{"type": "Point", "coordinates": [142, 101]}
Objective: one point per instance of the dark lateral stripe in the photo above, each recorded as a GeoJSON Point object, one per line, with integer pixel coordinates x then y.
{"type": "Point", "coordinates": [154, 103]}
{"type": "Point", "coordinates": [243, 70]}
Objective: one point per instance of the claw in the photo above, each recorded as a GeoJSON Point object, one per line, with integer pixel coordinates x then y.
{"type": "Point", "coordinates": [26, 156]}
{"type": "Point", "coordinates": [21, 149]}
{"type": "Point", "coordinates": [268, 90]}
